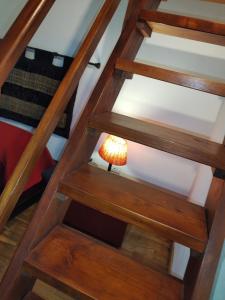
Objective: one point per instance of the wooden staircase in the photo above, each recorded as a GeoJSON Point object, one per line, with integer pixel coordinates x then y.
{"type": "Point", "coordinates": [72, 261]}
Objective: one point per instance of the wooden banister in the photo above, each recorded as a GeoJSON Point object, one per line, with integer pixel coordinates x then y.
{"type": "Point", "coordinates": [20, 33]}
{"type": "Point", "coordinates": [16, 184]}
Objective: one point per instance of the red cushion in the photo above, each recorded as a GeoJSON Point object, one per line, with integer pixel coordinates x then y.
{"type": "Point", "coordinates": [13, 141]}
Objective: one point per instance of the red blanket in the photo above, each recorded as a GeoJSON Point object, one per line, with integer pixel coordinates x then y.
{"type": "Point", "coordinates": [13, 141]}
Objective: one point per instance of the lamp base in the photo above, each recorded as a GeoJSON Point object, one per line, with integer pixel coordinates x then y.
{"type": "Point", "coordinates": [109, 167]}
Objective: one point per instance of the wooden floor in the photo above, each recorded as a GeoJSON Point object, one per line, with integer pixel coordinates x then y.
{"type": "Point", "coordinates": [148, 249]}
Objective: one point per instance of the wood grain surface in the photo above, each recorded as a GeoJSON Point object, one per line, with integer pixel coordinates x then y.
{"type": "Point", "coordinates": [138, 204]}
{"type": "Point", "coordinates": [190, 80]}
{"type": "Point", "coordinates": [191, 23]}
{"type": "Point", "coordinates": [71, 261]}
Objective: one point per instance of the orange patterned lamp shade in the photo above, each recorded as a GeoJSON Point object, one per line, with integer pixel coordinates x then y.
{"type": "Point", "coordinates": [114, 151]}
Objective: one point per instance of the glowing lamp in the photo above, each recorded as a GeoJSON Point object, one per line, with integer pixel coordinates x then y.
{"type": "Point", "coordinates": [114, 151]}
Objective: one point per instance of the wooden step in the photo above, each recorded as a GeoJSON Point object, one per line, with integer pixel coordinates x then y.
{"type": "Point", "coordinates": [183, 22]}
{"type": "Point", "coordinates": [32, 296]}
{"type": "Point", "coordinates": [197, 82]}
{"type": "Point", "coordinates": [72, 262]}
{"type": "Point", "coordinates": [140, 204]}
{"type": "Point", "coordinates": [163, 138]}
{"type": "Point", "coordinates": [185, 27]}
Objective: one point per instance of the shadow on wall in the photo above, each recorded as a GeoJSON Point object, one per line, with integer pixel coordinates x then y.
{"type": "Point", "coordinates": [65, 26]}
{"type": "Point", "coordinates": [178, 106]}
{"type": "Point", "coordinates": [90, 14]}
{"type": "Point", "coordinates": [181, 60]}
{"type": "Point", "coordinates": [165, 116]}
{"type": "Point", "coordinates": [101, 54]}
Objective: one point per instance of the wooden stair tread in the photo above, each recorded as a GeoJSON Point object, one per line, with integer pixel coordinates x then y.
{"type": "Point", "coordinates": [73, 262]}
{"type": "Point", "coordinates": [32, 296]}
{"type": "Point", "coordinates": [162, 138]}
{"type": "Point", "coordinates": [187, 33]}
{"type": "Point", "coordinates": [197, 82]}
{"type": "Point", "coordinates": [185, 22]}
{"type": "Point", "coordinates": [139, 204]}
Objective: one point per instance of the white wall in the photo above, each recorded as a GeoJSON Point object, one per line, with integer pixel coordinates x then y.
{"type": "Point", "coordinates": [65, 26]}
{"type": "Point", "coordinates": [9, 10]}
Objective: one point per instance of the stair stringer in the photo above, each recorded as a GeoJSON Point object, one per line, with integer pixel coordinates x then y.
{"type": "Point", "coordinates": [52, 207]}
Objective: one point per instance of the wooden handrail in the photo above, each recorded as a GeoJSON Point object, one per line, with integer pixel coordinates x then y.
{"type": "Point", "coordinates": [20, 33]}
{"type": "Point", "coordinates": [49, 121]}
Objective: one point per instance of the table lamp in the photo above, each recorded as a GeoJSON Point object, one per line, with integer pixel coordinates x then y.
{"type": "Point", "coordinates": [114, 151]}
